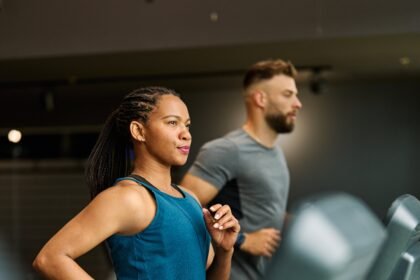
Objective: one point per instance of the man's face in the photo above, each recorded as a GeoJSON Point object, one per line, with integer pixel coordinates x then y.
{"type": "Point", "coordinates": [282, 103]}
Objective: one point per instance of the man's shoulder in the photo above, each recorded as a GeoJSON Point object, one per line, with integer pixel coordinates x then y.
{"type": "Point", "coordinates": [230, 140]}
{"type": "Point", "coordinates": [237, 137]}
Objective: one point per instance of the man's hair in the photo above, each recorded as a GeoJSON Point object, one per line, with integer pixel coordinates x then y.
{"type": "Point", "coordinates": [267, 69]}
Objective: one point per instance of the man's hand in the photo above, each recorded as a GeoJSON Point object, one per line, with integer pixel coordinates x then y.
{"type": "Point", "coordinates": [263, 242]}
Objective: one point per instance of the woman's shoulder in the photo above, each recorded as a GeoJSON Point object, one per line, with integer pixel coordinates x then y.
{"type": "Point", "coordinates": [126, 193]}
{"type": "Point", "coordinates": [129, 203]}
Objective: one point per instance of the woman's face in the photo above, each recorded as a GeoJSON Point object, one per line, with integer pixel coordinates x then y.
{"type": "Point", "coordinates": [166, 133]}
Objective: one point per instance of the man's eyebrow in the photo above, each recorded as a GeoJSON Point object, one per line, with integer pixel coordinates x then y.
{"type": "Point", "coordinates": [290, 91]}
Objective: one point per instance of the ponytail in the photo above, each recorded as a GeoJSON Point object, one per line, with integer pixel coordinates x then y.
{"type": "Point", "coordinates": [109, 158]}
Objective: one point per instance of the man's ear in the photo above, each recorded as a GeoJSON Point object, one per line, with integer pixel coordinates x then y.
{"type": "Point", "coordinates": [137, 131]}
{"type": "Point", "coordinates": [259, 98]}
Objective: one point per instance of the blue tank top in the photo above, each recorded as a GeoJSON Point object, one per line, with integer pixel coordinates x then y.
{"type": "Point", "coordinates": [174, 246]}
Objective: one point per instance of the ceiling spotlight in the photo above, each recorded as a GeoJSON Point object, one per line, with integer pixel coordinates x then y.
{"type": "Point", "coordinates": [14, 136]}
{"type": "Point", "coordinates": [214, 17]}
{"type": "Point", "coordinates": [405, 60]}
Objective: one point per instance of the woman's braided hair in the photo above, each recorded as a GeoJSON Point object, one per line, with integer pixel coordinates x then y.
{"type": "Point", "coordinates": [110, 157]}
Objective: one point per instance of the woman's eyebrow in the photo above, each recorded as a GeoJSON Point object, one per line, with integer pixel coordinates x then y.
{"type": "Point", "coordinates": [175, 116]}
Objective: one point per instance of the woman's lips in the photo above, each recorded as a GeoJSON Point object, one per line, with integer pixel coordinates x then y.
{"type": "Point", "coordinates": [184, 149]}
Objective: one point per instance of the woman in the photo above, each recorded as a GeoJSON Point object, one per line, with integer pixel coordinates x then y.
{"type": "Point", "coordinates": [154, 229]}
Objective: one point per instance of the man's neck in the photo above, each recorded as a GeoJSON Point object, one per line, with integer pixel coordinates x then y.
{"type": "Point", "coordinates": [261, 133]}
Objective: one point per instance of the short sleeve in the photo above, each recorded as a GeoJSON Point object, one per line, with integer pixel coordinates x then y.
{"type": "Point", "coordinates": [215, 162]}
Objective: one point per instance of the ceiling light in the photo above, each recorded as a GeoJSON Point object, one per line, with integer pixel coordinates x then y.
{"type": "Point", "coordinates": [14, 136]}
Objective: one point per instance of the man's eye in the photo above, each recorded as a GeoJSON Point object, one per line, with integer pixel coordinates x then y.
{"type": "Point", "coordinates": [172, 122]}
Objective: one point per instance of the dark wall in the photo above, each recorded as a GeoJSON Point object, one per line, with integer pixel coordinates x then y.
{"type": "Point", "coordinates": [359, 137]}
{"type": "Point", "coordinates": [35, 204]}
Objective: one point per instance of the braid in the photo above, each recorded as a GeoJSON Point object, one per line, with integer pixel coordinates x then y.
{"type": "Point", "coordinates": [138, 104]}
{"type": "Point", "coordinates": [110, 157]}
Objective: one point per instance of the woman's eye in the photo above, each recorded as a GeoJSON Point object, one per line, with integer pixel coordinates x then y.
{"type": "Point", "coordinates": [172, 122]}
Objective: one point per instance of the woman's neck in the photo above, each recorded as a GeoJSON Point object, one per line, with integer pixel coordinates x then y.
{"type": "Point", "coordinates": [157, 174]}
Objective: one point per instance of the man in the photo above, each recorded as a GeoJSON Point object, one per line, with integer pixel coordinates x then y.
{"type": "Point", "coordinates": [247, 169]}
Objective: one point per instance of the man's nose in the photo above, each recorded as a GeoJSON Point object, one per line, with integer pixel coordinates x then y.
{"type": "Point", "coordinates": [297, 103]}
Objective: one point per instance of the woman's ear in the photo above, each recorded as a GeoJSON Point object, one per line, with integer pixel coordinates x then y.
{"type": "Point", "coordinates": [137, 131]}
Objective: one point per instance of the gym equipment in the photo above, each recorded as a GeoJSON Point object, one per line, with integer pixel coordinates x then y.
{"type": "Point", "coordinates": [330, 237]}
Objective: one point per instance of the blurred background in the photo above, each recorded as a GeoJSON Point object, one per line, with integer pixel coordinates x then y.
{"type": "Point", "coordinates": [64, 66]}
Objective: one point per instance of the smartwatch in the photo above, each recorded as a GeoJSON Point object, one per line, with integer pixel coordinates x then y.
{"type": "Point", "coordinates": [240, 240]}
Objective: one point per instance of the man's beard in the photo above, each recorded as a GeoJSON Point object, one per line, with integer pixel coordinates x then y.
{"type": "Point", "coordinates": [278, 122]}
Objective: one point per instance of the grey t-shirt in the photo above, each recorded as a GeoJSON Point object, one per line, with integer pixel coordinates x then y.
{"type": "Point", "coordinates": [254, 181]}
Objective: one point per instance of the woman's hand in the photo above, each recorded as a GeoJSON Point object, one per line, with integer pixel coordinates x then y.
{"type": "Point", "coordinates": [222, 226]}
